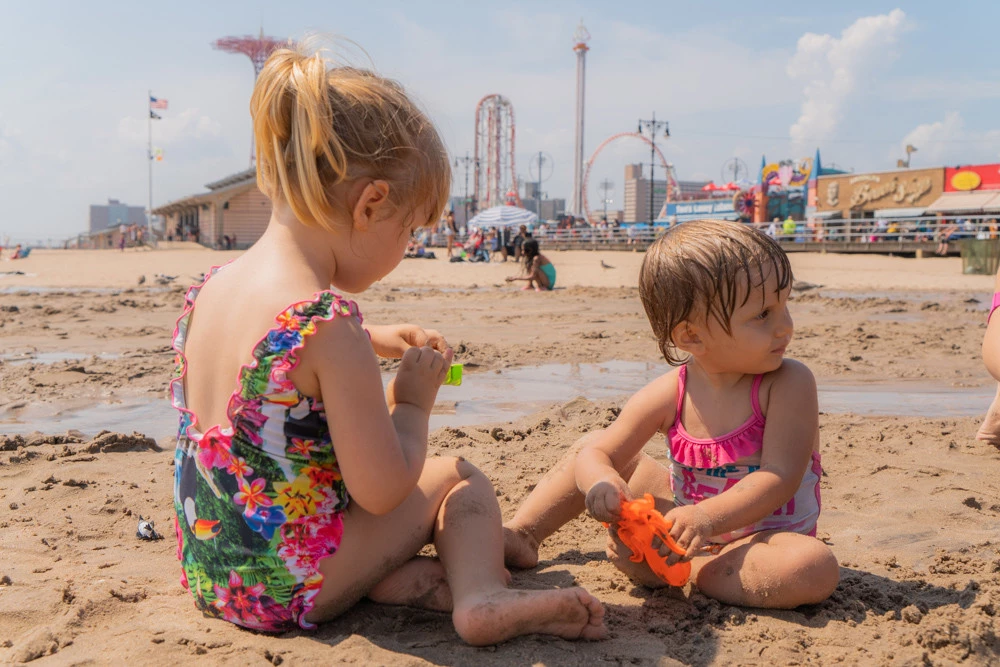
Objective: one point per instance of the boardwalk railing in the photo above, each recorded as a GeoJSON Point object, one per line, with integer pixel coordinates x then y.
{"type": "Point", "coordinates": [888, 235]}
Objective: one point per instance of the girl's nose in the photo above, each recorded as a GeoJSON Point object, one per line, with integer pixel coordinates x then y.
{"type": "Point", "coordinates": [785, 325]}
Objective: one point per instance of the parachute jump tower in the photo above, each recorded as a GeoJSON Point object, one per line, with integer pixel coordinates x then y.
{"type": "Point", "coordinates": [257, 49]}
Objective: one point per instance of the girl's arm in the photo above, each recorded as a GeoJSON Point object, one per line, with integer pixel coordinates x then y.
{"type": "Point", "coordinates": [392, 340]}
{"type": "Point", "coordinates": [791, 434]}
{"type": "Point", "coordinates": [598, 464]}
{"type": "Point", "coordinates": [380, 448]}
{"type": "Point", "coordinates": [528, 271]}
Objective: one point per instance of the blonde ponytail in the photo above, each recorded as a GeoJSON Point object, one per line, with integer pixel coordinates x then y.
{"type": "Point", "coordinates": [316, 127]}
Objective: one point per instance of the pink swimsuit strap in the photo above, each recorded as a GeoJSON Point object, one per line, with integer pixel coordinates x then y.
{"type": "Point", "coordinates": [740, 443]}
{"type": "Point", "coordinates": [996, 304]}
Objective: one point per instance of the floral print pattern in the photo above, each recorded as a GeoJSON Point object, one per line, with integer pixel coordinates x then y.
{"type": "Point", "coordinates": [259, 503]}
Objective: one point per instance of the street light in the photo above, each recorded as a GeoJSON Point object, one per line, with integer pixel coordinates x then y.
{"type": "Point", "coordinates": [465, 200]}
{"type": "Point", "coordinates": [905, 164]}
{"type": "Point", "coordinates": [653, 127]}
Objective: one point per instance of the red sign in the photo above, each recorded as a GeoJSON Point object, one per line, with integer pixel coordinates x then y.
{"type": "Point", "coordinates": [974, 177]}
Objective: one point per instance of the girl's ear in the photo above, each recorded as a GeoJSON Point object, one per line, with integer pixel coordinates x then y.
{"type": "Point", "coordinates": [686, 337]}
{"type": "Point", "coordinates": [372, 201]}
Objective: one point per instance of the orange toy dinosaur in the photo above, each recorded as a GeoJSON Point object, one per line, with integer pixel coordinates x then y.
{"type": "Point", "coordinates": [639, 523]}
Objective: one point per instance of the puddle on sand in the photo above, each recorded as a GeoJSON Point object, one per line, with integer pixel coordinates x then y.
{"type": "Point", "coordinates": [506, 396]}
{"type": "Point", "coordinates": [155, 418]}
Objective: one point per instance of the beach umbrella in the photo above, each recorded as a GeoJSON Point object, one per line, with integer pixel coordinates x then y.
{"type": "Point", "coordinates": [503, 216]}
{"type": "Point", "coordinates": [709, 187]}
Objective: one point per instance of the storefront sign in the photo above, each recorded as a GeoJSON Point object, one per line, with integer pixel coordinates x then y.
{"type": "Point", "coordinates": [788, 173]}
{"type": "Point", "coordinates": [705, 208]}
{"type": "Point", "coordinates": [866, 192]}
{"type": "Point", "coordinates": [973, 177]}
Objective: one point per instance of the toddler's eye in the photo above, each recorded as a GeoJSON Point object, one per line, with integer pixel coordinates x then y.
{"type": "Point", "coordinates": [764, 313]}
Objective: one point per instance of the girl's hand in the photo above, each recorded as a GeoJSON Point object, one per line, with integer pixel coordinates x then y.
{"type": "Point", "coordinates": [420, 374]}
{"type": "Point", "coordinates": [392, 340]}
{"type": "Point", "coordinates": [691, 530]}
{"type": "Point", "coordinates": [509, 279]}
{"type": "Point", "coordinates": [604, 500]}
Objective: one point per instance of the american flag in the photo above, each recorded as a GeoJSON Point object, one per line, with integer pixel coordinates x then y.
{"type": "Point", "coordinates": [155, 103]}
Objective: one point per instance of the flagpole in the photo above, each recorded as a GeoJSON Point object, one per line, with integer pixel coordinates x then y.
{"type": "Point", "coordinates": [149, 159]}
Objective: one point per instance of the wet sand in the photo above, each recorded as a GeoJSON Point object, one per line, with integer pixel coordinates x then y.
{"type": "Point", "coordinates": [910, 502]}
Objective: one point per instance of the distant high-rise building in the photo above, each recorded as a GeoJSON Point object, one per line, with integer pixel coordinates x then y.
{"type": "Point", "coordinates": [551, 208]}
{"type": "Point", "coordinates": [637, 207]}
{"type": "Point", "coordinates": [115, 213]}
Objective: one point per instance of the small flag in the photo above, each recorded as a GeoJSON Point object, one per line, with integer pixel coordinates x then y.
{"type": "Point", "coordinates": [155, 103]}
{"type": "Point", "coordinates": [155, 116]}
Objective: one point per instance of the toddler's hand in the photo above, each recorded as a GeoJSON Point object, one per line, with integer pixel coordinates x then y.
{"type": "Point", "coordinates": [604, 500]}
{"type": "Point", "coordinates": [691, 529]}
{"type": "Point", "coordinates": [421, 372]}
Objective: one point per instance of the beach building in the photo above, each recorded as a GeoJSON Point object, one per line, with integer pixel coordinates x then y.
{"type": "Point", "coordinates": [233, 206]}
{"type": "Point", "coordinates": [901, 193]}
{"type": "Point", "coordinates": [637, 207]}
{"type": "Point", "coordinates": [969, 190]}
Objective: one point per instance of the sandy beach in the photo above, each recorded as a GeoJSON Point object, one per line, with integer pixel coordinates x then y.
{"type": "Point", "coordinates": [911, 501]}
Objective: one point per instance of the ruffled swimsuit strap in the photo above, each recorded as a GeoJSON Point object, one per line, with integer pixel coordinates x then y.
{"type": "Point", "coordinates": [682, 374]}
{"type": "Point", "coordinates": [755, 397]}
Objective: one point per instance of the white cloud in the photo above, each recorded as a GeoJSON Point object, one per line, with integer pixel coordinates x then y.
{"type": "Point", "coordinates": [832, 67]}
{"type": "Point", "coordinates": [947, 141]}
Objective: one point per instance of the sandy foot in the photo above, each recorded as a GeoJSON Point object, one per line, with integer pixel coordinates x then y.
{"type": "Point", "coordinates": [990, 429]}
{"type": "Point", "coordinates": [570, 613]}
{"type": "Point", "coordinates": [520, 550]}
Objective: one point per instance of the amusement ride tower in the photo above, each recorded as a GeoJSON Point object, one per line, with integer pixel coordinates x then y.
{"type": "Point", "coordinates": [495, 175]}
{"type": "Point", "coordinates": [257, 49]}
{"type": "Point", "coordinates": [580, 37]}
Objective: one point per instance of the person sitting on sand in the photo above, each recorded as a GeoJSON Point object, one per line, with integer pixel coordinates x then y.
{"type": "Point", "coordinates": [741, 424]}
{"type": "Point", "coordinates": [538, 270]}
{"type": "Point", "coordinates": [989, 431]}
{"type": "Point", "coordinates": [308, 488]}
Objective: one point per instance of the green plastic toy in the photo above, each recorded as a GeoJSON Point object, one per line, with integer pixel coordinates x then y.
{"type": "Point", "coordinates": [454, 376]}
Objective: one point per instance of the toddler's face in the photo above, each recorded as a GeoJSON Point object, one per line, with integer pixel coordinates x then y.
{"type": "Point", "coordinates": [761, 330]}
{"type": "Point", "coordinates": [375, 252]}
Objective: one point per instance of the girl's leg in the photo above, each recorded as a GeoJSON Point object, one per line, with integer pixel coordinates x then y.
{"type": "Point", "coordinates": [455, 504]}
{"type": "Point", "coordinates": [541, 279]}
{"type": "Point", "coordinates": [990, 429]}
{"type": "Point", "coordinates": [773, 569]}
{"type": "Point", "coordinates": [554, 502]}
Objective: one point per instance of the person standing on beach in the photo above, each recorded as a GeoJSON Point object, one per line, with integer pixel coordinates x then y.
{"type": "Point", "coordinates": [308, 488]}
{"type": "Point", "coordinates": [449, 232]}
{"type": "Point", "coordinates": [741, 425]}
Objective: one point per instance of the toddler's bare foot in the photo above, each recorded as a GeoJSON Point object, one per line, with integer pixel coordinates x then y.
{"type": "Point", "coordinates": [990, 429]}
{"type": "Point", "coordinates": [520, 549]}
{"type": "Point", "coordinates": [420, 582]}
{"type": "Point", "coordinates": [490, 618]}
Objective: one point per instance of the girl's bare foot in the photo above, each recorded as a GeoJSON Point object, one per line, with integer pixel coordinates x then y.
{"type": "Point", "coordinates": [490, 618]}
{"type": "Point", "coordinates": [520, 549]}
{"type": "Point", "coordinates": [420, 582]}
{"type": "Point", "coordinates": [989, 431]}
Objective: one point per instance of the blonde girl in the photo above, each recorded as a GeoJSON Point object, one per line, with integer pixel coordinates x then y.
{"type": "Point", "coordinates": [306, 488]}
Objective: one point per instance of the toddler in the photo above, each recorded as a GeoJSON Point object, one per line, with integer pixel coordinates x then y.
{"type": "Point", "coordinates": [302, 487]}
{"type": "Point", "coordinates": [740, 423]}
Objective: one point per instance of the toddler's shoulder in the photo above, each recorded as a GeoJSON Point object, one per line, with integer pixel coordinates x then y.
{"type": "Point", "coordinates": [792, 372]}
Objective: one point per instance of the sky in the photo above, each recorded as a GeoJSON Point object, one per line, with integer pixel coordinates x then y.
{"type": "Point", "coordinates": [858, 80]}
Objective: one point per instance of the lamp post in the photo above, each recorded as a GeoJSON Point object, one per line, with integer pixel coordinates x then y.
{"type": "Point", "coordinates": [466, 161]}
{"type": "Point", "coordinates": [652, 128]}
{"type": "Point", "coordinates": [606, 186]}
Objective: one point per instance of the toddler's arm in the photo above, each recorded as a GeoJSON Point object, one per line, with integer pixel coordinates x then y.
{"type": "Point", "coordinates": [380, 447]}
{"type": "Point", "coordinates": [392, 340]}
{"type": "Point", "coordinates": [598, 464]}
{"type": "Point", "coordinates": [791, 434]}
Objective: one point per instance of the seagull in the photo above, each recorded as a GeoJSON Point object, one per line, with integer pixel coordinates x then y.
{"type": "Point", "coordinates": [142, 280]}
{"type": "Point", "coordinates": [605, 265]}
{"type": "Point", "coordinates": [165, 279]}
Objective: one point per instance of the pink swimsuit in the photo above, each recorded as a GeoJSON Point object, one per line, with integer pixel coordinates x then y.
{"type": "Point", "coordinates": [701, 468]}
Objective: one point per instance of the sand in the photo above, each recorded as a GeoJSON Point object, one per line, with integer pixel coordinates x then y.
{"type": "Point", "coordinates": [910, 499]}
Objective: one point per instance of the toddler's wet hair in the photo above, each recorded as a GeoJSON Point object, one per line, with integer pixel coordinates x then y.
{"type": "Point", "coordinates": [707, 268]}
{"type": "Point", "coordinates": [317, 126]}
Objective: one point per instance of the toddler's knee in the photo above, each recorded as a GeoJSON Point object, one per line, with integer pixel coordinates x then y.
{"type": "Point", "coordinates": [822, 572]}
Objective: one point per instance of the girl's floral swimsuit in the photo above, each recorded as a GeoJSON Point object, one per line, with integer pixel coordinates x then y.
{"type": "Point", "coordinates": [260, 503]}
{"type": "Point", "coordinates": [701, 468]}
